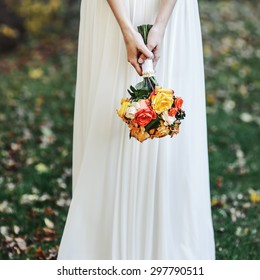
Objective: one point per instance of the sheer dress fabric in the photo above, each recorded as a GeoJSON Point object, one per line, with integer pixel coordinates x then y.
{"type": "Point", "coordinates": [134, 200]}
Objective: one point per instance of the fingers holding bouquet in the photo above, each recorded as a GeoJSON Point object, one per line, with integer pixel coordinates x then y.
{"type": "Point", "coordinates": [154, 43]}
{"type": "Point", "coordinates": [135, 46]}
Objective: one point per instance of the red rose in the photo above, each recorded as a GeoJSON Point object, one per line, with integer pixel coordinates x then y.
{"type": "Point", "coordinates": [145, 114]}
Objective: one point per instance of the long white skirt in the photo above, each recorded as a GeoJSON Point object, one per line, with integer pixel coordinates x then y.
{"type": "Point", "coordinates": [134, 200]}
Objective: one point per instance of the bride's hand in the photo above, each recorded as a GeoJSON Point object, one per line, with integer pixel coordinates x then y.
{"type": "Point", "coordinates": [154, 42]}
{"type": "Point", "coordinates": [135, 46]}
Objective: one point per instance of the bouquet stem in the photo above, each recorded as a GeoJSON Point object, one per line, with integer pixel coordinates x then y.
{"type": "Point", "coordinates": [149, 83]}
{"type": "Point", "coordinates": [144, 31]}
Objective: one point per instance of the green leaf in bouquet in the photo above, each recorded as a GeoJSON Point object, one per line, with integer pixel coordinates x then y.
{"type": "Point", "coordinates": [133, 89]}
{"type": "Point", "coordinates": [139, 94]}
{"type": "Point", "coordinates": [180, 115]}
{"type": "Point", "coordinates": [143, 94]}
{"type": "Point", "coordinates": [140, 85]}
{"type": "Point", "coordinates": [131, 93]}
{"type": "Point", "coordinates": [153, 124]}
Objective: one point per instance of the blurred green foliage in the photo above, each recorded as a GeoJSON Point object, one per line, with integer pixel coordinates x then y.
{"type": "Point", "coordinates": [38, 15]}
{"type": "Point", "coordinates": [41, 17]}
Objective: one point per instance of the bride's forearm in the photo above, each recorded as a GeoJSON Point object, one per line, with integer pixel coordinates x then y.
{"type": "Point", "coordinates": [156, 34]}
{"type": "Point", "coordinates": [165, 11]}
{"type": "Point", "coordinates": [121, 16]}
{"type": "Point", "coordinates": [133, 40]}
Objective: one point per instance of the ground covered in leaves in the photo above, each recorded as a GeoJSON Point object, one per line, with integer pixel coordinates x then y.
{"type": "Point", "coordinates": [36, 115]}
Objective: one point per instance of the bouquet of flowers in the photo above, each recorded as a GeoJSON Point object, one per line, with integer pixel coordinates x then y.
{"type": "Point", "coordinates": [151, 111]}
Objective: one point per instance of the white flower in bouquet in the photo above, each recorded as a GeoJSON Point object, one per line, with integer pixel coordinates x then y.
{"type": "Point", "coordinates": [131, 110]}
{"type": "Point", "coordinates": [168, 120]}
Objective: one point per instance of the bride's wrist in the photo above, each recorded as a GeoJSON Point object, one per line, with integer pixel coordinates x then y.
{"type": "Point", "coordinates": [127, 30]}
{"type": "Point", "coordinates": [160, 25]}
{"type": "Point", "coordinates": [129, 34]}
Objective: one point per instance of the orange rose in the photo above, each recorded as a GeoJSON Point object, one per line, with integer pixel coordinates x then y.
{"type": "Point", "coordinates": [144, 114]}
{"type": "Point", "coordinates": [172, 112]}
{"type": "Point", "coordinates": [138, 132]}
{"type": "Point", "coordinates": [178, 103]}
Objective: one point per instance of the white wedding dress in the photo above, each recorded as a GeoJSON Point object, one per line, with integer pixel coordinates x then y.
{"type": "Point", "coordinates": [134, 200]}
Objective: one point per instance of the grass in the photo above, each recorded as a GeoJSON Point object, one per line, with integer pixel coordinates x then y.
{"type": "Point", "coordinates": [230, 48]}
{"type": "Point", "coordinates": [36, 115]}
{"type": "Point", "coordinates": [35, 142]}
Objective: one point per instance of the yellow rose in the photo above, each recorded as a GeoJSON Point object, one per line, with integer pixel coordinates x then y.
{"type": "Point", "coordinates": [162, 100]}
{"type": "Point", "coordinates": [124, 105]}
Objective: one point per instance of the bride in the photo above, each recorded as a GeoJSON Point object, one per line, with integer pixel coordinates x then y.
{"type": "Point", "coordinates": [136, 200]}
